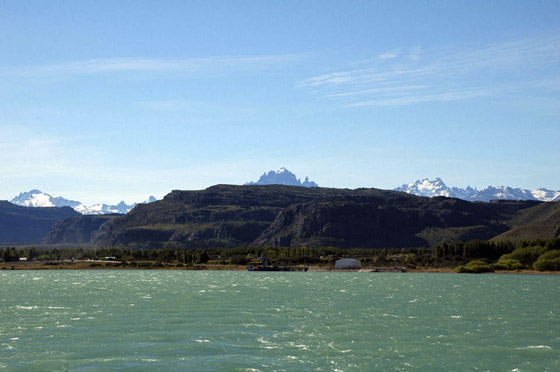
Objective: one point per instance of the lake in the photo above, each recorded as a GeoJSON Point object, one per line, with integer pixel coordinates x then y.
{"type": "Point", "coordinates": [142, 320]}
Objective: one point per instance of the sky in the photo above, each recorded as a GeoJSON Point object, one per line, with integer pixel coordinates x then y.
{"type": "Point", "coordinates": [102, 101]}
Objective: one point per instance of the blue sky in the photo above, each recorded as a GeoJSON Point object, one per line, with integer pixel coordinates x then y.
{"type": "Point", "coordinates": [108, 100]}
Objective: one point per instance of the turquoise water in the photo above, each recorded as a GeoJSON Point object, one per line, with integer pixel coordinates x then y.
{"type": "Point", "coordinates": [259, 321]}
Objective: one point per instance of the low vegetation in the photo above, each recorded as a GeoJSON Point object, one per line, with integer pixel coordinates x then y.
{"type": "Point", "coordinates": [474, 256]}
{"type": "Point", "coordinates": [539, 255]}
{"type": "Point", "coordinates": [474, 267]}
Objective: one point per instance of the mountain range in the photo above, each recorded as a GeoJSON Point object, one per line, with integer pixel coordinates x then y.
{"type": "Point", "coordinates": [437, 187]}
{"type": "Point", "coordinates": [425, 187]}
{"type": "Point", "coordinates": [37, 198]}
{"type": "Point", "coordinates": [277, 211]}
{"type": "Point", "coordinates": [278, 215]}
{"type": "Point", "coordinates": [282, 177]}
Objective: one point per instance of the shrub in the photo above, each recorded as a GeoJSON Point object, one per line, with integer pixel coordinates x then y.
{"type": "Point", "coordinates": [474, 267]}
{"type": "Point", "coordinates": [477, 263]}
{"type": "Point", "coordinates": [462, 269]}
{"type": "Point", "coordinates": [550, 255]}
{"type": "Point", "coordinates": [240, 260]}
{"type": "Point", "coordinates": [507, 264]}
{"type": "Point", "coordinates": [527, 255]}
{"type": "Point", "coordinates": [549, 261]}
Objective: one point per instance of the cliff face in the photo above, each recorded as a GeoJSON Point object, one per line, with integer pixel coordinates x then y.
{"type": "Point", "coordinates": [79, 229]}
{"type": "Point", "coordinates": [229, 216]}
{"type": "Point", "coordinates": [218, 216]}
{"type": "Point", "coordinates": [383, 223]}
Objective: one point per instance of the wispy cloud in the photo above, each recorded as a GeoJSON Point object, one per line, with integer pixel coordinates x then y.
{"type": "Point", "coordinates": [209, 65]}
{"type": "Point", "coordinates": [387, 56]}
{"type": "Point", "coordinates": [422, 75]}
{"type": "Point", "coordinates": [401, 100]}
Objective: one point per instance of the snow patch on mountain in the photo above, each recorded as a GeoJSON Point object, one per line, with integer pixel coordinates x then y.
{"type": "Point", "coordinates": [37, 198]}
{"type": "Point", "coordinates": [437, 187]}
{"type": "Point", "coordinates": [282, 177]}
{"type": "Point", "coordinates": [546, 195]}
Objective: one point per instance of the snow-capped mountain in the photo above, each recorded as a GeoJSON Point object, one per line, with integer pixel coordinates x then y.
{"type": "Point", "coordinates": [37, 198]}
{"type": "Point", "coordinates": [428, 188]}
{"type": "Point", "coordinates": [282, 177]}
{"type": "Point", "coordinates": [437, 187]}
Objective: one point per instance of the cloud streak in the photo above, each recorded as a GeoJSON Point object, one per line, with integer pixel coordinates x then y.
{"type": "Point", "coordinates": [189, 66]}
{"type": "Point", "coordinates": [420, 75]}
{"type": "Point", "coordinates": [387, 56]}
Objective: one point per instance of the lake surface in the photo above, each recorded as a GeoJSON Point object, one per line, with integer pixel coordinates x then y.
{"type": "Point", "coordinates": [98, 320]}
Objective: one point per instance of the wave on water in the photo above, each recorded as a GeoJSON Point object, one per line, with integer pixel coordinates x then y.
{"type": "Point", "coordinates": [302, 323]}
{"type": "Point", "coordinates": [545, 347]}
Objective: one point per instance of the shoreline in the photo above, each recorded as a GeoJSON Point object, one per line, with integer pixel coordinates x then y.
{"type": "Point", "coordinates": [109, 265]}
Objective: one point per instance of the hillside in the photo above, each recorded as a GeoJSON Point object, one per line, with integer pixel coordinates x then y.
{"type": "Point", "coordinates": [540, 222]}
{"type": "Point", "coordinates": [275, 215]}
{"type": "Point", "coordinates": [529, 233]}
{"type": "Point", "coordinates": [360, 221]}
{"type": "Point", "coordinates": [221, 215]}
{"type": "Point", "coordinates": [80, 229]}
{"type": "Point", "coordinates": [28, 224]}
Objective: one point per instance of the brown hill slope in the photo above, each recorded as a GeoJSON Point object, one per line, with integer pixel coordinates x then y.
{"type": "Point", "coordinates": [529, 232]}
{"type": "Point", "coordinates": [539, 222]}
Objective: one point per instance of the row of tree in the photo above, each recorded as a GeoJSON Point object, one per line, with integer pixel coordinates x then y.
{"type": "Point", "coordinates": [452, 254]}
{"type": "Point", "coordinates": [475, 249]}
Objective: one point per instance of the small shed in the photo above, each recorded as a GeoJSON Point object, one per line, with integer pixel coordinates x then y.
{"type": "Point", "coordinates": [347, 263]}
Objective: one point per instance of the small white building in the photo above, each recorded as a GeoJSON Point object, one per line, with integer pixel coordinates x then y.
{"type": "Point", "coordinates": [347, 263]}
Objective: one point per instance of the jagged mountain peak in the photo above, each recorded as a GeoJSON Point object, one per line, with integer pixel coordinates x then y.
{"type": "Point", "coordinates": [282, 177]}
{"type": "Point", "coordinates": [426, 187]}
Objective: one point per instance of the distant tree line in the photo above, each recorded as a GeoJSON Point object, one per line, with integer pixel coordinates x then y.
{"type": "Point", "coordinates": [474, 249]}
{"type": "Point", "coordinates": [540, 255]}
{"type": "Point", "coordinates": [479, 254]}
